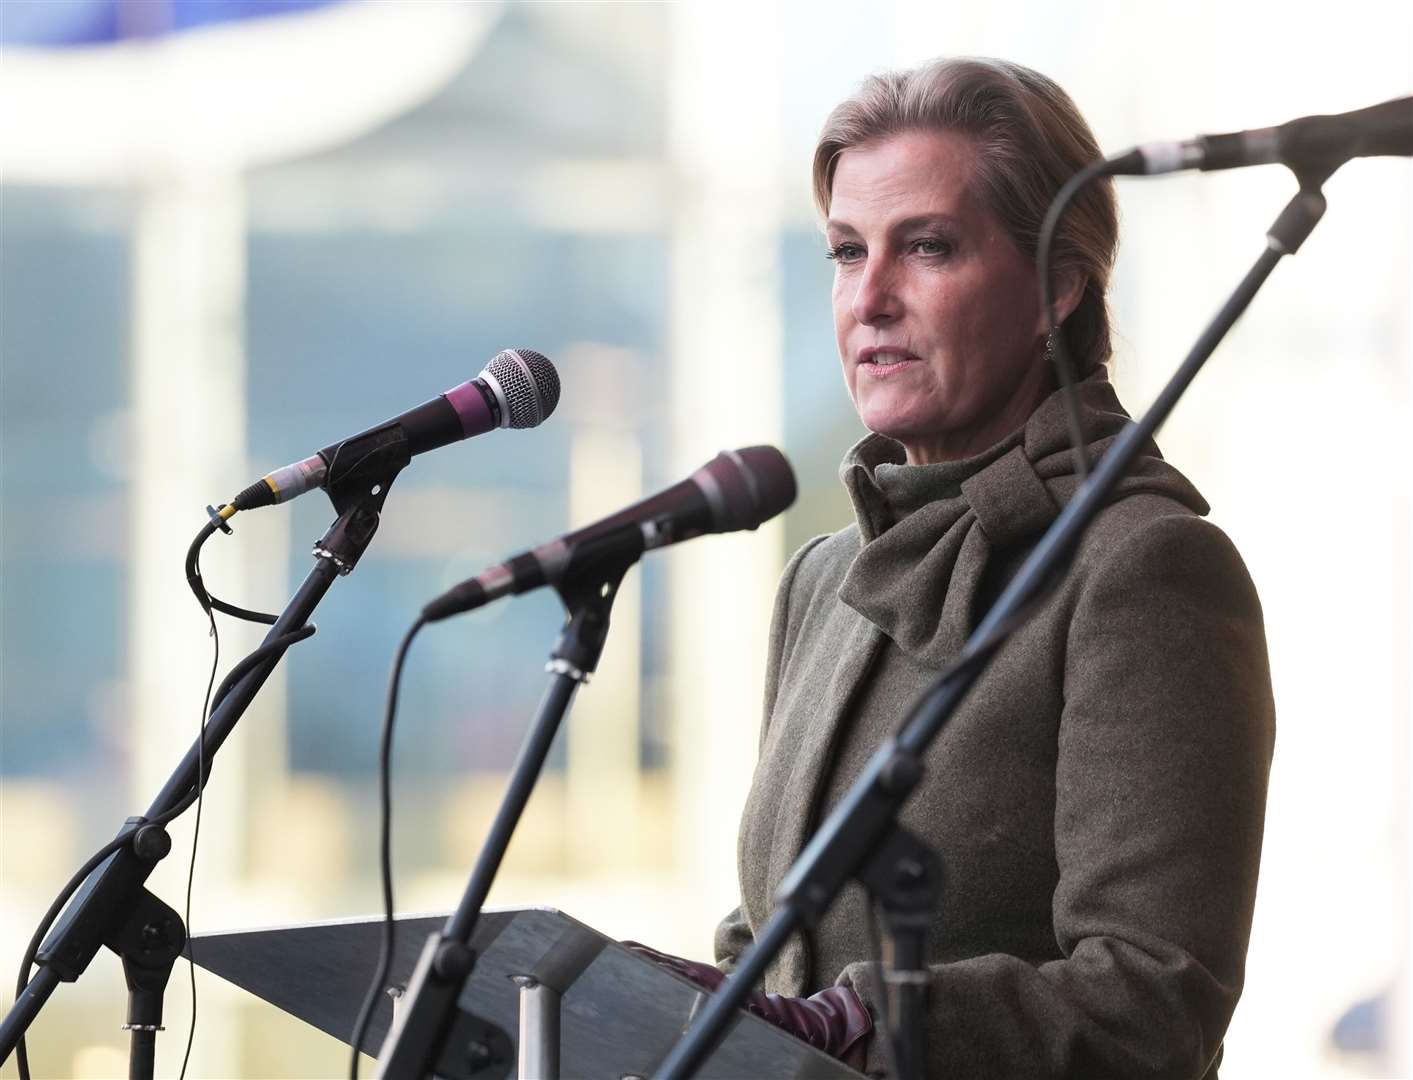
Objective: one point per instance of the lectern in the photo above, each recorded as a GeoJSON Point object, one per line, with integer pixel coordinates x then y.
{"type": "Point", "coordinates": [569, 1001]}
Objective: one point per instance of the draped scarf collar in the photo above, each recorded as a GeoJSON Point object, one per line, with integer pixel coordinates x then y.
{"type": "Point", "coordinates": [930, 532]}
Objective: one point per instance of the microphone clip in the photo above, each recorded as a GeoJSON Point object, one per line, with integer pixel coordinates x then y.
{"type": "Point", "coordinates": [588, 598]}
{"type": "Point", "coordinates": [361, 470]}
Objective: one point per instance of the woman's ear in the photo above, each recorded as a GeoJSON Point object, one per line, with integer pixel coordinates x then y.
{"type": "Point", "coordinates": [1068, 292]}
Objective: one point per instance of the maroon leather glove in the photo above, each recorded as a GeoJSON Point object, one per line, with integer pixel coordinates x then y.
{"type": "Point", "coordinates": [834, 1020]}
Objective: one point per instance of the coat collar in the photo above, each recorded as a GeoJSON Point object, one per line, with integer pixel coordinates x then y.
{"type": "Point", "coordinates": [930, 532]}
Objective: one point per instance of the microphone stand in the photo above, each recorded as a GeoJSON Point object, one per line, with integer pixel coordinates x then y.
{"type": "Point", "coordinates": [113, 907]}
{"type": "Point", "coordinates": [866, 819]}
{"type": "Point", "coordinates": [430, 1038]}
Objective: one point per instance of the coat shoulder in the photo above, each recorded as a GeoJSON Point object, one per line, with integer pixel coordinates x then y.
{"type": "Point", "coordinates": [822, 562]}
{"type": "Point", "coordinates": [1147, 524]}
{"type": "Point", "coordinates": [812, 574]}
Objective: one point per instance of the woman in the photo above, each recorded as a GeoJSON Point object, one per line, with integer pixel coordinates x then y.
{"type": "Point", "coordinates": [1097, 801]}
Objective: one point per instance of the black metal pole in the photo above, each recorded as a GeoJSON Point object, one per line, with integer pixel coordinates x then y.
{"type": "Point", "coordinates": [907, 992]}
{"type": "Point", "coordinates": [412, 1046]}
{"type": "Point", "coordinates": [869, 809]}
{"type": "Point", "coordinates": [114, 884]}
{"type": "Point", "coordinates": [710, 1024]}
{"type": "Point", "coordinates": [904, 879]}
{"type": "Point", "coordinates": [431, 1001]}
{"type": "Point", "coordinates": [115, 887]}
{"type": "Point", "coordinates": [142, 1054]}
{"type": "Point", "coordinates": [232, 707]}
{"type": "Point", "coordinates": [25, 1009]}
{"type": "Point", "coordinates": [525, 773]}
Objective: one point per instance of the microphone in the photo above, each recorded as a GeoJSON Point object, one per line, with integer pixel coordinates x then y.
{"type": "Point", "coordinates": [519, 388]}
{"type": "Point", "coordinates": [1310, 143]}
{"type": "Point", "coordinates": [737, 489]}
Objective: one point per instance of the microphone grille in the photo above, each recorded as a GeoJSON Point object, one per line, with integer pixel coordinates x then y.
{"type": "Point", "coordinates": [530, 384]}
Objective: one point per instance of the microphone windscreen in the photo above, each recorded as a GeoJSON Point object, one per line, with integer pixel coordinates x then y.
{"type": "Point", "coordinates": [755, 483]}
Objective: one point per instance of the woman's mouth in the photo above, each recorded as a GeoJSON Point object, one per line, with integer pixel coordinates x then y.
{"type": "Point", "coordinates": [881, 362]}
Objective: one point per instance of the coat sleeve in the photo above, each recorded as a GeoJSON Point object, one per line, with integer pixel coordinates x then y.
{"type": "Point", "coordinates": [733, 933]}
{"type": "Point", "coordinates": [1163, 754]}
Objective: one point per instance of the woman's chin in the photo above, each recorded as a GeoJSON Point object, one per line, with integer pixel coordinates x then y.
{"type": "Point", "coordinates": [902, 412]}
{"type": "Point", "coordinates": [900, 428]}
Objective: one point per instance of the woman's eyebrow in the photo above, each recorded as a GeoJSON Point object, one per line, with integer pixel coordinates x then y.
{"type": "Point", "coordinates": [917, 221]}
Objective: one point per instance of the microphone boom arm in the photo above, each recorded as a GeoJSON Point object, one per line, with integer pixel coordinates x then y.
{"type": "Point", "coordinates": [114, 892]}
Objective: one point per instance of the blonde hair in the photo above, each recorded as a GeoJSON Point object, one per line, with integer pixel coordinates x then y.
{"type": "Point", "coordinates": [1030, 139]}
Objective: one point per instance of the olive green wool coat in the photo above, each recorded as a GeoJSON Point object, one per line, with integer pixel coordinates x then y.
{"type": "Point", "coordinates": [1098, 799]}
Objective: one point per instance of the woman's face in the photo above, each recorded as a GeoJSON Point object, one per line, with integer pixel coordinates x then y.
{"type": "Point", "coordinates": [936, 312]}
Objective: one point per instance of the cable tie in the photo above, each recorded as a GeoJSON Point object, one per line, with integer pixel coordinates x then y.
{"type": "Point", "coordinates": [218, 520]}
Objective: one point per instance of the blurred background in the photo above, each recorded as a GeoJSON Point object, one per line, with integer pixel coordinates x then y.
{"type": "Point", "coordinates": [234, 231]}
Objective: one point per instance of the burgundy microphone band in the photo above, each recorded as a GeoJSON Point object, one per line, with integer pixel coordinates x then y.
{"type": "Point", "coordinates": [469, 401]}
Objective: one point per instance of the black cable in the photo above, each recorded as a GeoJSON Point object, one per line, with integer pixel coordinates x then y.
{"type": "Point", "coordinates": [385, 954]}
{"type": "Point", "coordinates": [198, 586]}
{"type": "Point", "coordinates": [27, 961]}
{"type": "Point", "coordinates": [254, 659]}
{"type": "Point", "coordinates": [263, 617]}
{"type": "Point", "coordinates": [284, 641]}
{"type": "Point", "coordinates": [62, 900]}
{"type": "Point", "coordinates": [1059, 353]}
{"type": "Point", "coordinates": [238, 672]}
{"type": "Point", "coordinates": [196, 832]}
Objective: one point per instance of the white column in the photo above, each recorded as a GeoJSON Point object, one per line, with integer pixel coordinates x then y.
{"type": "Point", "coordinates": [605, 475]}
{"type": "Point", "coordinates": [188, 408]}
{"type": "Point", "coordinates": [726, 360]}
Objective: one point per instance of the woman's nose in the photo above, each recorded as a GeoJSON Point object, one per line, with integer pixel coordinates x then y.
{"type": "Point", "coordinates": [876, 298]}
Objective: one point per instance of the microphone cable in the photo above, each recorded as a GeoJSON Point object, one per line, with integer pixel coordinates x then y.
{"type": "Point", "coordinates": [219, 516]}
{"type": "Point", "coordinates": [385, 953]}
{"type": "Point", "coordinates": [196, 827]}
{"type": "Point", "coordinates": [768, 488]}
{"type": "Point", "coordinates": [212, 702]}
{"type": "Point", "coordinates": [1059, 353]}
{"type": "Point", "coordinates": [211, 604]}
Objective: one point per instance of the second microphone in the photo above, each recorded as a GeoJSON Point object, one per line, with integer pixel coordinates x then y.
{"type": "Point", "coordinates": [737, 489]}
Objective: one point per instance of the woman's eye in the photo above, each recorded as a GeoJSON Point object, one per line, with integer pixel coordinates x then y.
{"type": "Point", "coordinates": [844, 253]}
{"type": "Point", "coordinates": [931, 245]}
